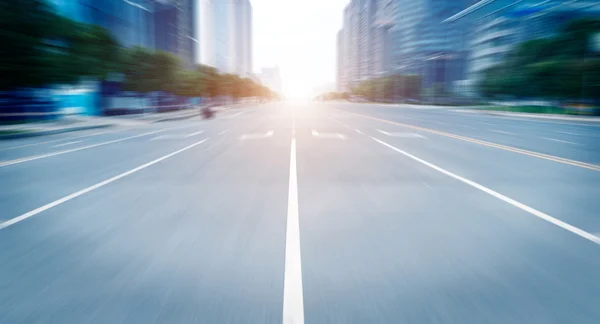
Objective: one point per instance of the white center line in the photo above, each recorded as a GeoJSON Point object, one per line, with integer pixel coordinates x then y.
{"type": "Point", "coordinates": [484, 123]}
{"type": "Point", "coordinates": [535, 212]}
{"type": "Point", "coordinates": [502, 132]}
{"type": "Point", "coordinates": [223, 132]}
{"type": "Point", "coordinates": [37, 157]}
{"type": "Point", "coordinates": [64, 199]}
{"type": "Point", "coordinates": [560, 141]}
{"type": "Point", "coordinates": [293, 300]}
{"type": "Point", "coordinates": [358, 131]}
{"type": "Point", "coordinates": [68, 143]}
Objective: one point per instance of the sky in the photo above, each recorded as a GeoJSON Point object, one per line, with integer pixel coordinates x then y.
{"type": "Point", "coordinates": [299, 36]}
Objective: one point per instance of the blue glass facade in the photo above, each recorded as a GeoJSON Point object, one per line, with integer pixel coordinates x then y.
{"type": "Point", "coordinates": [132, 22]}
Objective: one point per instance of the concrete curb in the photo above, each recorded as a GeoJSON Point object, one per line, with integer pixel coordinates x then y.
{"type": "Point", "coordinates": [175, 118]}
{"type": "Point", "coordinates": [548, 116]}
{"type": "Point", "coordinates": [53, 131]}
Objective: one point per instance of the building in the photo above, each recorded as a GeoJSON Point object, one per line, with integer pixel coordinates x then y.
{"type": "Point", "coordinates": [271, 78]}
{"type": "Point", "coordinates": [502, 24]}
{"type": "Point", "coordinates": [383, 37]}
{"type": "Point", "coordinates": [174, 30]}
{"type": "Point", "coordinates": [132, 23]}
{"type": "Point", "coordinates": [341, 64]}
{"type": "Point", "coordinates": [224, 35]}
{"type": "Point", "coordinates": [425, 45]}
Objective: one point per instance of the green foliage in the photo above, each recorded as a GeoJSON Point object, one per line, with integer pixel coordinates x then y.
{"type": "Point", "coordinates": [563, 67]}
{"type": "Point", "coordinates": [43, 48]}
{"type": "Point", "coordinates": [390, 87]}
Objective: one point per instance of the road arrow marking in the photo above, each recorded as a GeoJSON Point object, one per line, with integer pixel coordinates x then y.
{"type": "Point", "coordinates": [328, 135]}
{"type": "Point", "coordinates": [256, 136]}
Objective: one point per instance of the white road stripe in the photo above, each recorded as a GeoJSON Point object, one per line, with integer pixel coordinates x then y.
{"type": "Point", "coordinates": [194, 133]}
{"type": "Point", "coordinates": [64, 199]}
{"type": "Point", "coordinates": [568, 133]}
{"type": "Point", "coordinates": [315, 133]}
{"type": "Point", "coordinates": [223, 132]}
{"type": "Point", "coordinates": [256, 136]}
{"type": "Point", "coordinates": [68, 143]}
{"type": "Point", "coordinates": [484, 123]}
{"type": "Point", "coordinates": [358, 131]}
{"type": "Point", "coordinates": [293, 300]}
{"type": "Point", "coordinates": [535, 212]}
{"type": "Point", "coordinates": [37, 157]}
{"type": "Point", "coordinates": [560, 141]}
{"type": "Point", "coordinates": [502, 132]}
{"type": "Point", "coordinates": [405, 135]}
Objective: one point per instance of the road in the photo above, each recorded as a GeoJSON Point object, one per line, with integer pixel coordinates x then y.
{"type": "Point", "coordinates": [304, 213]}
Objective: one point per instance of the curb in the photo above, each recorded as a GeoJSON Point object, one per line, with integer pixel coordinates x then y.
{"type": "Point", "coordinates": [549, 116]}
{"type": "Point", "coordinates": [53, 131]}
{"type": "Point", "coordinates": [175, 118]}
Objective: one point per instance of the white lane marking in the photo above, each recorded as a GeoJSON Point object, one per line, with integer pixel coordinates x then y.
{"type": "Point", "coordinates": [241, 112]}
{"type": "Point", "coordinates": [64, 199]}
{"type": "Point", "coordinates": [405, 135]}
{"type": "Point", "coordinates": [358, 131]}
{"type": "Point", "coordinates": [535, 212]}
{"type": "Point", "coordinates": [293, 300]}
{"type": "Point", "coordinates": [465, 126]}
{"type": "Point", "coordinates": [327, 135]}
{"type": "Point", "coordinates": [194, 134]}
{"type": "Point", "coordinates": [502, 132]}
{"type": "Point", "coordinates": [37, 157]}
{"type": "Point", "coordinates": [439, 122]}
{"type": "Point", "coordinates": [256, 136]}
{"type": "Point", "coordinates": [484, 123]}
{"type": "Point", "coordinates": [560, 141]}
{"type": "Point", "coordinates": [67, 143]}
{"type": "Point", "coordinates": [223, 132]}
{"type": "Point", "coordinates": [58, 140]}
{"type": "Point", "coordinates": [167, 137]}
{"type": "Point", "coordinates": [568, 133]}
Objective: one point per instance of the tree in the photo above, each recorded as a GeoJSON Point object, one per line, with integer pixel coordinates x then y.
{"type": "Point", "coordinates": [42, 47]}
{"type": "Point", "coordinates": [26, 58]}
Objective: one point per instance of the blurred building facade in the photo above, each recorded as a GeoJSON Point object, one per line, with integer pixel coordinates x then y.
{"type": "Point", "coordinates": [383, 37]}
{"type": "Point", "coordinates": [500, 25]}
{"type": "Point", "coordinates": [217, 33]}
{"type": "Point", "coordinates": [224, 29]}
{"type": "Point", "coordinates": [131, 22]}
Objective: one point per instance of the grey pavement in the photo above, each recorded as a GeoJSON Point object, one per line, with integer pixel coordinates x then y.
{"type": "Point", "coordinates": [404, 216]}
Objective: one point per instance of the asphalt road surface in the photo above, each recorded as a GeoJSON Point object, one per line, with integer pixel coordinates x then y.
{"type": "Point", "coordinates": [305, 213]}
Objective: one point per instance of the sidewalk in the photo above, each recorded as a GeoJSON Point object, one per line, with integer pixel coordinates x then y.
{"type": "Point", "coordinates": [63, 125]}
{"type": "Point", "coordinates": [534, 115]}
{"type": "Point", "coordinates": [78, 123]}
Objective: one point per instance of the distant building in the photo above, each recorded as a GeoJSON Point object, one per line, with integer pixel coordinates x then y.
{"type": "Point", "coordinates": [271, 78]}
{"type": "Point", "coordinates": [225, 35]}
{"type": "Point", "coordinates": [383, 37]}
{"type": "Point", "coordinates": [341, 63]}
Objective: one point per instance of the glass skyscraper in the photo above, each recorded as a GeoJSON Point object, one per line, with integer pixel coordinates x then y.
{"type": "Point", "coordinates": [132, 22]}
